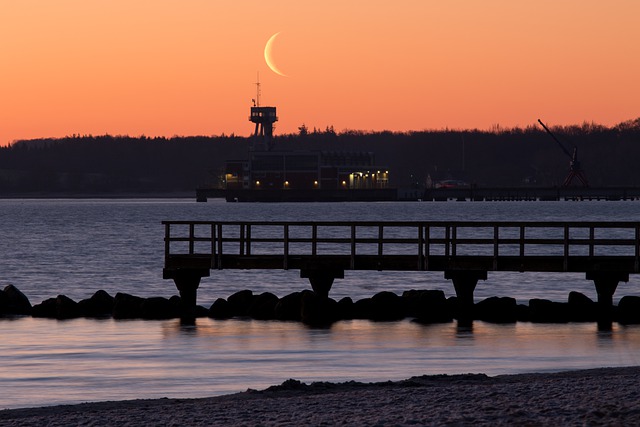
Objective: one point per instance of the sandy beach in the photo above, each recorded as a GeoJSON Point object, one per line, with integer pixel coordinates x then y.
{"type": "Point", "coordinates": [607, 396]}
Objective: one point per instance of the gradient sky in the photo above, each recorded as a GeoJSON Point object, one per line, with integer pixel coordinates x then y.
{"type": "Point", "coordinates": [189, 67]}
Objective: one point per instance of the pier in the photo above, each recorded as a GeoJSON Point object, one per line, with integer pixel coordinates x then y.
{"type": "Point", "coordinates": [606, 252]}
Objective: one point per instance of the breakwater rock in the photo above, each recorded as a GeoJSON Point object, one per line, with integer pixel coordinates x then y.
{"type": "Point", "coordinates": [13, 302]}
{"type": "Point", "coordinates": [424, 306]}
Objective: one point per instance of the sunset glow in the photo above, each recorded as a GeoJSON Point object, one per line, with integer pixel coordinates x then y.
{"type": "Point", "coordinates": [169, 67]}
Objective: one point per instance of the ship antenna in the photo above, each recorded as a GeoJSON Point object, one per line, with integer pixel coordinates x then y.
{"type": "Point", "coordinates": [258, 90]}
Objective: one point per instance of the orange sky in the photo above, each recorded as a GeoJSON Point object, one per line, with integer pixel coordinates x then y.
{"type": "Point", "coordinates": [188, 67]}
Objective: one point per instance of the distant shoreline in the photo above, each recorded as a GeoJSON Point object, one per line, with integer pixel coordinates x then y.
{"type": "Point", "coordinates": [135, 195]}
{"type": "Point", "coordinates": [603, 396]}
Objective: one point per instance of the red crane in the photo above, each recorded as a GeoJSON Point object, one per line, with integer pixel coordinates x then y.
{"type": "Point", "coordinates": [574, 165]}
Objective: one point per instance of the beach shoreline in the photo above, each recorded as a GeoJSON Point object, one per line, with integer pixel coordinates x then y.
{"type": "Point", "coordinates": [603, 396]}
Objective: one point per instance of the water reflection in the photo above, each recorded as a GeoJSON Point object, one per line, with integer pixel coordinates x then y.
{"type": "Point", "coordinates": [107, 359]}
{"type": "Point", "coordinates": [605, 325]}
{"type": "Point", "coordinates": [464, 329]}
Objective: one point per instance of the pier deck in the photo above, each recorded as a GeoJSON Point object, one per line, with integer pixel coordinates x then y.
{"type": "Point", "coordinates": [607, 252]}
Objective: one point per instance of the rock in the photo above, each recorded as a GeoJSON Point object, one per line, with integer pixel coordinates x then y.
{"type": "Point", "coordinates": [429, 306]}
{"type": "Point", "coordinates": [411, 301]}
{"type": "Point", "coordinates": [66, 308]}
{"type": "Point", "coordinates": [318, 311]}
{"type": "Point", "coordinates": [201, 311]}
{"type": "Point", "coordinates": [629, 310]}
{"type": "Point", "coordinates": [100, 305]}
{"type": "Point", "coordinates": [363, 309]}
{"type": "Point", "coordinates": [127, 306]}
{"type": "Point", "coordinates": [158, 308]}
{"type": "Point", "coordinates": [289, 307]}
{"type": "Point", "coordinates": [61, 307]}
{"type": "Point", "coordinates": [523, 313]}
{"type": "Point", "coordinates": [4, 303]}
{"type": "Point", "coordinates": [346, 308]}
{"type": "Point", "coordinates": [176, 303]}
{"type": "Point", "coordinates": [16, 302]}
{"type": "Point", "coordinates": [496, 310]}
{"type": "Point", "coordinates": [263, 306]}
{"type": "Point", "coordinates": [582, 308]}
{"type": "Point", "coordinates": [220, 309]}
{"type": "Point", "coordinates": [386, 306]}
{"type": "Point", "coordinates": [47, 308]}
{"type": "Point", "coordinates": [545, 311]}
{"type": "Point", "coordinates": [241, 302]}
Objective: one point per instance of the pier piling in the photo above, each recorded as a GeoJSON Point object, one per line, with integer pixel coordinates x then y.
{"type": "Point", "coordinates": [187, 281]}
{"type": "Point", "coordinates": [606, 283]}
{"type": "Point", "coordinates": [464, 283]}
{"type": "Point", "coordinates": [321, 280]}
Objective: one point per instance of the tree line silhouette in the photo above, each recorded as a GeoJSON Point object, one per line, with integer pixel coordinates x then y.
{"type": "Point", "coordinates": [502, 157]}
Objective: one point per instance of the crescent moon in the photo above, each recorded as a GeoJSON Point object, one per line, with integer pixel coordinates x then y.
{"type": "Point", "coordinates": [268, 57]}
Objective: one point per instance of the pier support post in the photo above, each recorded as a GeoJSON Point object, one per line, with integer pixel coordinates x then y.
{"type": "Point", "coordinates": [187, 282]}
{"type": "Point", "coordinates": [321, 280]}
{"type": "Point", "coordinates": [606, 283]}
{"type": "Point", "coordinates": [464, 282]}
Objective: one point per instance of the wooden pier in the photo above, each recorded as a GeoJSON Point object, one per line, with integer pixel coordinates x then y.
{"type": "Point", "coordinates": [606, 252]}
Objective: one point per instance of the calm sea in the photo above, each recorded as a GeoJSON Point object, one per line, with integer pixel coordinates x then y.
{"type": "Point", "coordinates": [76, 247]}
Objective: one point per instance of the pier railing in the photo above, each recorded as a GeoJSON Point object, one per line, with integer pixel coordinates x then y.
{"type": "Point", "coordinates": [418, 246]}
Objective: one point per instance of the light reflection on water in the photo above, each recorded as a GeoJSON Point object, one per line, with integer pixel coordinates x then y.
{"type": "Point", "coordinates": [49, 362]}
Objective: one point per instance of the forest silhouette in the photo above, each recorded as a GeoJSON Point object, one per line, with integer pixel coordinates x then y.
{"type": "Point", "coordinates": [502, 157]}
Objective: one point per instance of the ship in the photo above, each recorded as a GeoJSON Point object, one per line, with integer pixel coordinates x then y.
{"type": "Point", "coordinates": [272, 175]}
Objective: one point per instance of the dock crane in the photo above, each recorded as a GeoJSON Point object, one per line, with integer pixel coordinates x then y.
{"type": "Point", "coordinates": [574, 165]}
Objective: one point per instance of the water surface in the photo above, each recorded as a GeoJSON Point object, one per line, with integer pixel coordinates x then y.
{"type": "Point", "coordinates": [76, 247]}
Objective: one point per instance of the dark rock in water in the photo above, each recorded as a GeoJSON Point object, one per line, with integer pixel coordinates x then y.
{"type": "Point", "coordinates": [127, 306]}
{"type": "Point", "coordinates": [522, 313]}
{"type": "Point", "coordinates": [363, 309]}
{"type": "Point", "coordinates": [201, 311]}
{"type": "Point", "coordinates": [66, 308]}
{"type": "Point", "coordinates": [429, 306]}
{"type": "Point", "coordinates": [220, 309]}
{"type": "Point", "coordinates": [241, 302]}
{"type": "Point", "coordinates": [16, 302]}
{"type": "Point", "coordinates": [629, 310]}
{"type": "Point", "coordinates": [47, 308]}
{"type": "Point", "coordinates": [289, 307]}
{"type": "Point", "coordinates": [61, 307]}
{"type": "Point", "coordinates": [497, 310]}
{"type": "Point", "coordinates": [318, 311]}
{"type": "Point", "coordinates": [461, 312]}
{"type": "Point", "coordinates": [4, 303]}
{"type": "Point", "coordinates": [263, 306]}
{"type": "Point", "coordinates": [99, 305]}
{"type": "Point", "coordinates": [581, 308]}
{"type": "Point", "coordinates": [176, 302]}
{"type": "Point", "coordinates": [346, 308]}
{"type": "Point", "coordinates": [545, 311]}
{"type": "Point", "coordinates": [386, 306]}
{"type": "Point", "coordinates": [158, 308]}
{"type": "Point", "coordinates": [410, 299]}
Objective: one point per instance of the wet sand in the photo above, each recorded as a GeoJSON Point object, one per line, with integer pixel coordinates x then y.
{"type": "Point", "coordinates": [607, 396]}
